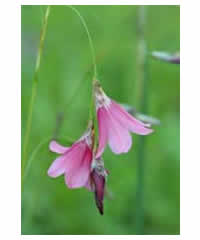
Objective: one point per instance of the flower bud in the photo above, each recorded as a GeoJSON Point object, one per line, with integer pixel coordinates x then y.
{"type": "Point", "coordinates": [98, 177]}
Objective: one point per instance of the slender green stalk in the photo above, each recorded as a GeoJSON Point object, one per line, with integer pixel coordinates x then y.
{"type": "Point", "coordinates": [34, 90]}
{"type": "Point", "coordinates": [89, 38]}
{"type": "Point", "coordinates": [142, 98]}
{"type": "Point", "coordinates": [92, 107]}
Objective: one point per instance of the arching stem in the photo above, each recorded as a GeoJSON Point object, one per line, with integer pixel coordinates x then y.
{"type": "Point", "coordinates": [89, 38]}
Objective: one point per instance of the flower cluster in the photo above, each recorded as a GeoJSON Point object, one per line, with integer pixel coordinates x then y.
{"type": "Point", "coordinates": [82, 164]}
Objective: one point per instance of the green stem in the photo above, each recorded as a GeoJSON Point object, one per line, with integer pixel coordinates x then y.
{"type": "Point", "coordinates": [142, 104]}
{"type": "Point", "coordinates": [92, 107]}
{"type": "Point", "coordinates": [89, 38]}
{"type": "Point", "coordinates": [34, 90]}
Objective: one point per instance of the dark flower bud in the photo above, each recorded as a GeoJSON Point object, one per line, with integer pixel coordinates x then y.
{"type": "Point", "coordinates": [98, 177]}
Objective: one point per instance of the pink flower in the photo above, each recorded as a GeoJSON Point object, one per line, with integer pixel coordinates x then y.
{"type": "Point", "coordinates": [114, 124]}
{"type": "Point", "coordinates": [74, 162]}
{"type": "Point", "coordinates": [79, 167]}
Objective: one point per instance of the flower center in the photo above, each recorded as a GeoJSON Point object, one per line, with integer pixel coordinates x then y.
{"type": "Point", "coordinates": [101, 99]}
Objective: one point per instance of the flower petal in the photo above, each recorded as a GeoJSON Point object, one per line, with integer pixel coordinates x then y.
{"type": "Point", "coordinates": [119, 138]}
{"type": "Point", "coordinates": [128, 121]}
{"type": "Point", "coordinates": [57, 148]}
{"type": "Point", "coordinates": [103, 131]}
{"type": "Point", "coordinates": [74, 156]}
{"type": "Point", "coordinates": [57, 168]}
{"type": "Point", "coordinates": [79, 175]}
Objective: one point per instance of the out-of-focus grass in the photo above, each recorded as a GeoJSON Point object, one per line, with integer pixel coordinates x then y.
{"type": "Point", "coordinates": [48, 207]}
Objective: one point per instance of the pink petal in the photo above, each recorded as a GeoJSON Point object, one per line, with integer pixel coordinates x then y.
{"type": "Point", "coordinates": [119, 138]}
{"type": "Point", "coordinates": [66, 161]}
{"type": "Point", "coordinates": [57, 168]}
{"type": "Point", "coordinates": [74, 155]}
{"type": "Point", "coordinates": [57, 148]}
{"type": "Point", "coordinates": [79, 175]}
{"type": "Point", "coordinates": [118, 108]}
{"type": "Point", "coordinates": [103, 131]}
{"type": "Point", "coordinates": [128, 120]}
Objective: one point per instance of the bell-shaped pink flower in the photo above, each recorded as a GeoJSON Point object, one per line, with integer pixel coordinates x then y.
{"type": "Point", "coordinates": [115, 123]}
{"type": "Point", "coordinates": [74, 162]}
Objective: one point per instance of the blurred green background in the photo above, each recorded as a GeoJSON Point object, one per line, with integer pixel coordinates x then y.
{"type": "Point", "coordinates": [48, 206]}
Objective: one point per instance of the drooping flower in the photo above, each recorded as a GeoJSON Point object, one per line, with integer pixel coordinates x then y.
{"type": "Point", "coordinates": [114, 124]}
{"type": "Point", "coordinates": [74, 162]}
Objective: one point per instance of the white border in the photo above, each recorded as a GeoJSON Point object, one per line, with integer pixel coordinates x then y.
{"type": "Point", "coordinates": [190, 111]}
{"type": "Point", "coordinates": [98, 2]}
{"type": "Point", "coordinates": [100, 237]}
{"type": "Point", "coordinates": [10, 207]}
{"type": "Point", "coordinates": [10, 126]}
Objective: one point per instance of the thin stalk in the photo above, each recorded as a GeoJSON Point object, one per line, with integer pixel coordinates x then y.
{"type": "Point", "coordinates": [92, 107]}
{"type": "Point", "coordinates": [34, 90]}
{"type": "Point", "coordinates": [89, 38]}
{"type": "Point", "coordinates": [142, 98]}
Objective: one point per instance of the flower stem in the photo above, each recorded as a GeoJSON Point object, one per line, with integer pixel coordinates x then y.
{"type": "Point", "coordinates": [142, 99]}
{"type": "Point", "coordinates": [92, 107]}
{"type": "Point", "coordinates": [34, 90]}
{"type": "Point", "coordinates": [89, 38]}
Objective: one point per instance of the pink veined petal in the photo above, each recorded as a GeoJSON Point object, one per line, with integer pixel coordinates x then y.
{"type": "Point", "coordinates": [119, 138]}
{"type": "Point", "coordinates": [79, 176]}
{"type": "Point", "coordinates": [119, 108]}
{"type": "Point", "coordinates": [103, 131]}
{"type": "Point", "coordinates": [128, 121]}
{"type": "Point", "coordinates": [74, 156]}
{"type": "Point", "coordinates": [66, 161]}
{"type": "Point", "coordinates": [57, 148]}
{"type": "Point", "coordinates": [57, 168]}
